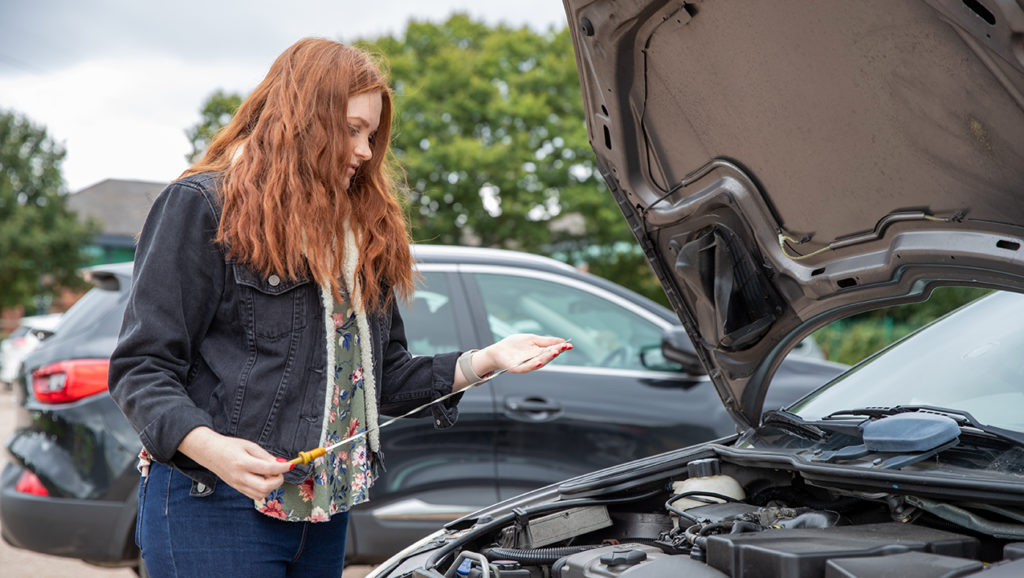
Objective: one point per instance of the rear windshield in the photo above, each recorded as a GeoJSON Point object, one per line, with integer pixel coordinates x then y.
{"type": "Point", "coordinates": [98, 312]}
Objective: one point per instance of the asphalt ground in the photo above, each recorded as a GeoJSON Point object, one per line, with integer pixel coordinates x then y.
{"type": "Point", "coordinates": [17, 563]}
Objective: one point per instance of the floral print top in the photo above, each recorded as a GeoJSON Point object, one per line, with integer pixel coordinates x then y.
{"type": "Point", "coordinates": [342, 478]}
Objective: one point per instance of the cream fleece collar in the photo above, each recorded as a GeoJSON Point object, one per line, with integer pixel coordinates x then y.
{"type": "Point", "coordinates": [349, 261]}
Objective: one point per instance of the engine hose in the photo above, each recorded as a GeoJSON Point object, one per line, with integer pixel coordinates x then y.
{"type": "Point", "coordinates": [697, 535]}
{"type": "Point", "coordinates": [698, 495]}
{"type": "Point", "coordinates": [537, 555]}
{"type": "Point", "coordinates": [743, 527]}
{"type": "Point", "coordinates": [691, 533]}
{"type": "Point", "coordinates": [716, 526]}
{"type": "Point", "coordinates": [809, 520]}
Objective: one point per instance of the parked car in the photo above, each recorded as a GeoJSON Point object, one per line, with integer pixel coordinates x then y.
{"type": "Point", "coordinates": [784, 165]}
{"type": "Point", "coordinates": [70, 487]}
{"type": "Point", "coordinates": [29, 333]}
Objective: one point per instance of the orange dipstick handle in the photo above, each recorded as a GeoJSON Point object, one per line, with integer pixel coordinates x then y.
{"type": "Point", "coordinates": [306, 457]}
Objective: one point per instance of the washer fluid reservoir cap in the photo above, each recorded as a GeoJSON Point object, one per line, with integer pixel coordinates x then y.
{"type": "Point", "coordinates": [703, 468]}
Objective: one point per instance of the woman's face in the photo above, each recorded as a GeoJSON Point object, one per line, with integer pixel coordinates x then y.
{"type": "Point", "coordinates": [363, 119]}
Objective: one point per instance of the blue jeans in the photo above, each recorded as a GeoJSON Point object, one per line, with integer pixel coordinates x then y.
{"type": "Point", "coordinates": [221, 533]}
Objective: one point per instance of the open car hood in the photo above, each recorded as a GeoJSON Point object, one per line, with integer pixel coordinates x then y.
{"type": "Point", "coordinates": [784, 164]}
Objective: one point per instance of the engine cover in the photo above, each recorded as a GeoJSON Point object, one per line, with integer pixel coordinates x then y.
{"type": "Point", "coordinates": [630, 561]}
{"type": "Point", "coordinates": [805, 552]}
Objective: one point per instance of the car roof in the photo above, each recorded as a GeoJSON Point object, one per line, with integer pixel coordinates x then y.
{"type": "Point", "coordinates": [47, 321]}
{"type": "Point", "coordinates": [421, 253]}
{"type": "Point", "coordinates": [485, 256]}
{"type": "Point", "coordinates": [433, 254]}
{"type": "Point", "coordinates": [119, 269]}
{"type": "Point", "coordinates": [110, 276]}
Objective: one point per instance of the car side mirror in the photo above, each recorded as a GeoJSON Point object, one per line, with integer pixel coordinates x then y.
{"type": "Point", "coordinates": [677, 348]}
{"type": "Point", "coordinates": [652, 358]}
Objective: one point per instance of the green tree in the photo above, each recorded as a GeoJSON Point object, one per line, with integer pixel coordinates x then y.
{"type": "Point", "coordinates": [217, 111]}
{"type": "Point", "coordinates": [40, 238]}
{"type": "Point", "coordinates": [490, 132]}
{"type": "Point", "coordinates": [855, 338]}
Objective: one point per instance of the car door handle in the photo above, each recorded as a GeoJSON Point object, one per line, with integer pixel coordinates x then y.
{"type": "Point", "coordinates": [532, 405]}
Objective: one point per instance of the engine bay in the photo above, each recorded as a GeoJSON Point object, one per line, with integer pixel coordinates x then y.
{"type": "Point", "coordinates": [714, 518]}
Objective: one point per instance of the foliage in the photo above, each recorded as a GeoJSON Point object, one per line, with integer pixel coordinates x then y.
{"type": "Point", "coordinates": [855, 338]}
{"type": "Point", "coordinates": [40, 238]}
{"type": "Point", "coordinates": [850, 341]}
{"type": "Point", "coordinates": [218, 108]}
{"type": "Point", "coordinates": [490, 132]}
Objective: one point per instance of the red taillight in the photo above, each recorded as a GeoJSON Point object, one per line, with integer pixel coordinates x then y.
{"type": "Point", "coordinates": [70, 380]}
{"type": "Point", "coordinates": [28, 483]}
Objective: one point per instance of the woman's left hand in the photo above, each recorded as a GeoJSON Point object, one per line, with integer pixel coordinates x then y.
{"type": "Point", "coordinates": [535, 350]}
{"type": "Point", "coordinates": [519, 353]}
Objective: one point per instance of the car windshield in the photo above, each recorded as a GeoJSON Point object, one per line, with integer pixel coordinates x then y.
{"type": "Point", "coordinates": [970, 361]}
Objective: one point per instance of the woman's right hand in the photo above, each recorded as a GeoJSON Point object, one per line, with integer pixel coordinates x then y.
{"type": "Point", "coordinates": [240, 463]}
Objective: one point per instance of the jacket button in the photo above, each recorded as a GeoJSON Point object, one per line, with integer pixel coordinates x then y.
{"type": "Point", "coordinates": [274, 280]}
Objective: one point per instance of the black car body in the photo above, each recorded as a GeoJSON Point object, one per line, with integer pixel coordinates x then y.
{"type": "Point", "coordinates": [71, 490]}
{"type": "Point", "coordinates": [783, 165]}
{"type": "Point", "coordinates": [514, 434]}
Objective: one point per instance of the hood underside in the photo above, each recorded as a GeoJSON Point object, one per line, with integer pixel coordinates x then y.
{"type": "Point", "coordinates": [784, 164]}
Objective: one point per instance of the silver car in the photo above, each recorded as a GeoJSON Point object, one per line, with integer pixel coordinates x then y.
{"type": "Point", "coordinates": [29, 333]}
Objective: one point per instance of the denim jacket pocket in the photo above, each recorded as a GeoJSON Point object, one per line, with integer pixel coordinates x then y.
{"type": "Point", "coordinates": [272, 307]}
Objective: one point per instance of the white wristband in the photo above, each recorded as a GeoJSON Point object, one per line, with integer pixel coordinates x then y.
{"type": "Point", "coordinates": [466, 366]}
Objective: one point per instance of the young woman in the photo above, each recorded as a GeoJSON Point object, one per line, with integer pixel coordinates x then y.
{"type": "Point", "coordinates": [262, 322]}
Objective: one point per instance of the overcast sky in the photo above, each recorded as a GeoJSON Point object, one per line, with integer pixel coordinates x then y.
{"type": "Point", "coordinates": [118, 81]}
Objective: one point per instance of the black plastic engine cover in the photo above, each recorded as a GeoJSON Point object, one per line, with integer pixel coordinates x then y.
{"type": "Point", "coordinates": [804, 553]}
{"type": "Point", "coordinates": [906, 565]}
{"type": "Point", "coordinates": [630, 561]}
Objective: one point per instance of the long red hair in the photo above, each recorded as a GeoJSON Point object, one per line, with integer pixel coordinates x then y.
{"type": "Point", "coordinates": [283, 158]}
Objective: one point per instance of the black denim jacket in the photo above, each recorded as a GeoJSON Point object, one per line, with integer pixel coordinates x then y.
{"type": "Point", "coordinates": [206, 341]}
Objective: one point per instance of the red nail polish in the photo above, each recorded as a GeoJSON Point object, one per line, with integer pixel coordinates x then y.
{"type": "Point", "coordinates": [540, 365]}
{"type": "Point", "coordinates": [281, 460]}
{"type": "Point", "coordinates": [291, 467]}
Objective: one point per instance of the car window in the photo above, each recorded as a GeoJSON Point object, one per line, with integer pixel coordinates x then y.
{"type": "Point", "coordinates": [98, 308]}
{"type": "Point", "coordinates": [603, 333]}
{"type": "Point", "coordinates": [429, 318]}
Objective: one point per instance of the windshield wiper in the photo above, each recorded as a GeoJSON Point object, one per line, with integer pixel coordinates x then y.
{"type": "Point", "coordinates": [962, 418]}
{"type": "Point", "coordinates": [793, 423]}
